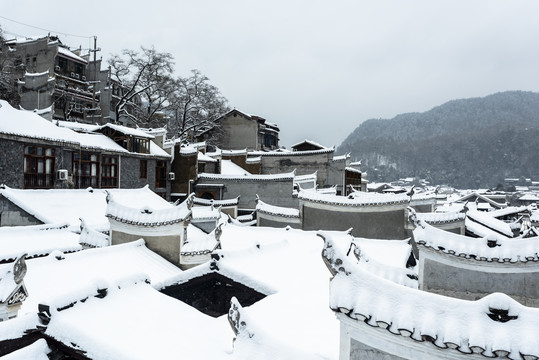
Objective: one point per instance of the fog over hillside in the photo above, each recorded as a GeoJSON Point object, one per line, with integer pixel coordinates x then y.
{"type": "Point", "coordinates": [466, 143]}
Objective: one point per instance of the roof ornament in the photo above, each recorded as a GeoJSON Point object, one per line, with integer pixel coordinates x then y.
{"type": "Point", "coordinates": [413, 219]}
{"type": "Point", "coordinates": [464, 208]}
{"type": "Point", "coordinates": [236, 319]}
{"type": "Point", "coordinates": [411, 192]}
{"type": "Point", "coordinates": [19, 269]}
{"type": "Point", "coordinates": [190, 200]}
{"type": "Point", "coordinates": [330, 256]}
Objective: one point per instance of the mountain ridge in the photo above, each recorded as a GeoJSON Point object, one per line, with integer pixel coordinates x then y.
{"type": "Point", "coordinates": [474, 142]}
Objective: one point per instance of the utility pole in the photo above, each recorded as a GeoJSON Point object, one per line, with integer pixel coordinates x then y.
{"type": "Point", "coordinates": [95, 79]}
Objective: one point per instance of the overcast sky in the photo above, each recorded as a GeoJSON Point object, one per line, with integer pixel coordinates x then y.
{"type": "Point", "coordinates": [316, 68]}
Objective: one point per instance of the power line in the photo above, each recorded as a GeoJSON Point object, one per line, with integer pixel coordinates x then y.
{"type": "Point", "coordinates": [48, 30]}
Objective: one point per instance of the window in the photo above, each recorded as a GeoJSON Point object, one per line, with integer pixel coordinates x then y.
{"type": "Point", "coordinates": [140, 145]}
{"type": "Point", "coordinates": [143, 170]}
{"type": "Point", "coordinates": [38, 167]}
{"type": "Point", "coordinates": [85, 170]}
{"type": "Point", "coordinates": [161, 174]}
{"type": "Point", "coordinates": [109, 172]}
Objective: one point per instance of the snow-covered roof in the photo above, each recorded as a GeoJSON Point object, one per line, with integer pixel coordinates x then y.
{"type": "Point", "coordinates": [341, 157]}
{"type": "Point", "coordinates": [198, 242]}
{"type": "Point", "coordinates": [292, 153]}
{"type": "Point", "coordinates": [351, 169]}
{"type": "Point", "coordinates": [509, 211]}
{"type": "Point", "coordinates": [442, 217]}
{"type": "Point", "coordinates": [76, 126]}
{"type": "Point", "coordinates": [70, 54]}
{"type": "Point", "coordinates": [27, 124]}
{"type": "Point", "coordinates": [107, 328]}
{"type": "Point", "coordinates": [226, 202]}
{"type": "Point", "coordinates": [145, 215]}
{"type": "Point", "coordinates": [30, 125]}
{"type": "Point", "coordinates": [309, 142]}
{"type": "Point", "coordinates": [276, 210]}
{"type": "Point", "coordinates": [205, 213]}
{"type": "Point", "coordinates": [496, 324]}
{"type": "Point", "coordinates": [127, 130]}
{"type": "Point", "coordinates": [366, 199]}
{"type": "Point", "coordinates": [205, 158]}
{"type": "Point", "coordinates": [57, 206]}
{"type": "Point", "coordinates": [37, 350]}
{"type": "Point", "coordinates": [485, 219]}
{"type": "Point", "coordinates": [479, 249]}
{"type": "Point", "coordinates": [482, 197]}
{"type": "Point", "coordinates": [246, 177]}
{"type": "Point", "coordinates": [36, 240]}
{"type": "Point", "coordinates": [229, 168]}
{"type": "Point", "coordinates": [92, 238]}
{"type": "Point", "coordinates": [61, 274]}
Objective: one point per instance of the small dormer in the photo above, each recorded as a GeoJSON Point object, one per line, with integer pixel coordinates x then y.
{"type": "Point", "coordinates": [133, 140]}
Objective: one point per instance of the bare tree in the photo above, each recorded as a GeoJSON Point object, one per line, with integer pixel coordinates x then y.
{"type": "Point", "coordinates": [144, 84]}
{"type": "Point", "coordinates": [10, 70]}
{"type": "Point", "coordinates": [194, 106]}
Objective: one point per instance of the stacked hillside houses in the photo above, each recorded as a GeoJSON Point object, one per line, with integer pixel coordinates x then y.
{"type": "Point", "coordinates": [63, 83]}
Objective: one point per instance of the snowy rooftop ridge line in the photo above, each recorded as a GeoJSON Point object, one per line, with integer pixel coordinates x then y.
{"type": "Point", "coordinates": [442, 218]}
{"type": "Point", "coordinates": [145, 216]}
{"type": "Point", "coordinates": [480, 249]}
{"type": "Point", "coordinates": [208, 202]}
{"type": "Point", "coordinates": [495, 325]}
{"type": "Point", "coordinates": [291, 153]}
{"type": "Point", "coordinates": [257, 177]}
{"type": "Point", "coordinates": [366, 200]}
{"type": "Point", "coordinates": [276, 210]}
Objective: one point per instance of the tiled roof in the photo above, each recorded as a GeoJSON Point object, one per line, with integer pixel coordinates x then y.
{"type": "Point", "coordinates": [145, 216]}
{"type": "Point", "coordinates": [246, 177]}
{"type": "Point", "coordinates": [495, 326]}
{"type": "Point", "coordinates": [292, 153]}
{"type": "Point", "coordinates": [276, 210]}
{"type": "Point", "coordinates": [364, 200]}
{"type": "Point", "coordinates": [442, 217]}
{"type": "Point", "coordinates": [480, 249]}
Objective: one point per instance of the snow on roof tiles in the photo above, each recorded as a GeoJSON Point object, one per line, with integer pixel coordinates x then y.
{"type": "Point", "coordinates": [484, 218]}
{"type": "Point", "coordinates": [225, 202]}
{"type": "Point", "coordinates": [292, 153]}
{"type": "Point", "coordinates": [58, 275]}
{"type": "Point", "coordinates": [509, 250]}
{"type": "Point", "coordinates": [55, 206]}
{"type": "Point", "coordinates": [310, 142]}
{"type": "Point", "coordinates": [127, 130]}
{"type": "Point", "coordinates": [366, 199]}
{"type": "Point", "coordinates": [248, 177]}
{"type": "Point", "coordinates": [442, 217]}
{"type": "Point", "coordinates": [109, 328]}
{"type": "Point", "coordinates": [145, 215]}
{"type": "Point", "coordinates": [496, 324]}
{"type": "Point", "coordinates": [68, 53]}
{"type": "Point", "coordinates": [276, 210]}
{"type": "Point", "coordinates": [36, 240]}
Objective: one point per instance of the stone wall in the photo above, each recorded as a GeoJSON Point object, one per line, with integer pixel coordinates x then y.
{"type": "Point", "coordinates": [11, 163]}
{"type": "Point", "coordinates": [184, 167]}
{"type": "Point", "coordinates": [304, 164]}
{"type": "Point", "coordinates": [269, 220]}
{"type": "Point", "coordinates": [238, 132]}
{"type": "Point", "coordinates": [277, 192]}
{"type": "Point", "coordinates": [376, 222]}
{"type": "Point", "coordinates": [471, 279]}
{"type": "Point", "coordinates": [12, 215]}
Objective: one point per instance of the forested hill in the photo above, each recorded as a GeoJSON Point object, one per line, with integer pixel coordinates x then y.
{"type": "Point", "coordinates": [466, 143]}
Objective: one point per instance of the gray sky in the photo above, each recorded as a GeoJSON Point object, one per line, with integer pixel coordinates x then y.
{"type": "Point", "coordinates": [316, 68]}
